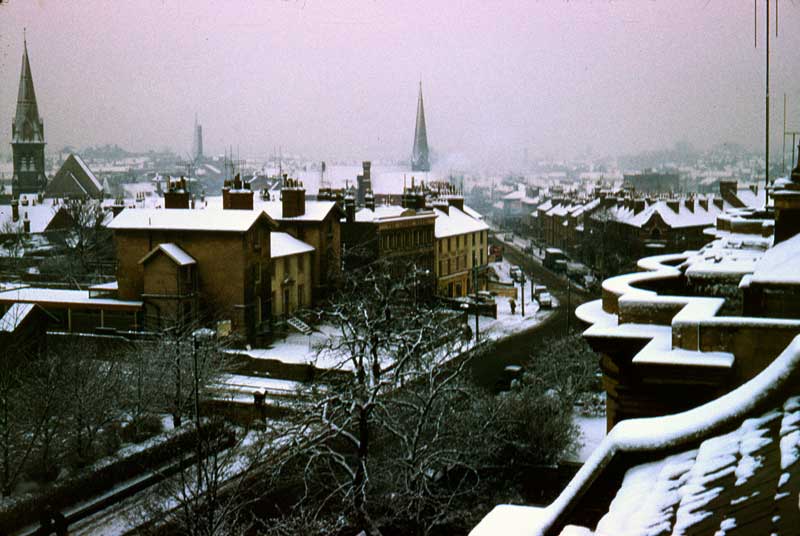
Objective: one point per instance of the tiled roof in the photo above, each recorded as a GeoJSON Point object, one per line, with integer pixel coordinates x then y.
{"type": "Point", "coordinates": [743, 482]}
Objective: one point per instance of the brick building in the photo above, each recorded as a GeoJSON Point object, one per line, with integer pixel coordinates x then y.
{"type": "Point", "coordinates": [192, 264]}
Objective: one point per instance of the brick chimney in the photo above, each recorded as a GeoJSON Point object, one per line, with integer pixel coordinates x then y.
{"type": "Point", "coordinates": [293, 198]}
{"type": "Point", "coordinates": [176, 196]}
{"type": "Point", "coordinates": [369, 200]}
{"type": "Point", "coordinates": [718, 202]}
{"type": "Point", "coordinates": [674, 205]}
{"type": "Point", "coordinates": [703, 203]}
{"type": "Point", "coordinates": [349, 207]}
{"type": "Point", "coordinates": [15, 209]}
{"type": "Point", "coordinates": [237, 195]}
{"type": "Point", "coordinates": [688, 202]}
{"type": "Point", "coordinates": [638, 205]}
{"type": "Point", "coordinates": [118, 206]}
{"type": "Point", "coordinates": [26, 224]}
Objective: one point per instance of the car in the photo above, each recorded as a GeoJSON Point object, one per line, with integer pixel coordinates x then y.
{"type": "Point", "coordinates": [516, 273]}
{"type": "Point", "coordinates": [545, 300]}
{"type": "Point", "coordinates": [511, 376]}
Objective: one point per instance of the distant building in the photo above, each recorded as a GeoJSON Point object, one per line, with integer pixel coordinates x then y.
{"type": "Point", "coordinates": [197, 144]}
{"type": "Point", "coordinates": [420, 156]}
{"type": "Point", "coordinates": [27, 137]}
{"type": "Point", "coordinates": [74, 180]}
{"type": "Point", "coordinates": [652, 182]}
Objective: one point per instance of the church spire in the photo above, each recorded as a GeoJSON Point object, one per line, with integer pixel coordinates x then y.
{"type": "Point", "coordinates": [419, 155]}
{"type": "Point", "coordinates": [27, 126]}
{"type": "Point", "coordinates": [27, 136]}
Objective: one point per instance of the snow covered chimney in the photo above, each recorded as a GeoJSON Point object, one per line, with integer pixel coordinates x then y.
{"type": "Point", "coordinates": [240, 197]}
{"type": "Point", "coordinates": [14, 209]}
{"type": "Point", "coordinates": [26, 224]}
{"type": "Point", "coordinates": [688, 202]}
{"type": "Point", "coordinates": [674, 205]}
{"type": "Point", "coordinates": [176, 196]}
{"type": "Point", "coordinates": [349, 207]}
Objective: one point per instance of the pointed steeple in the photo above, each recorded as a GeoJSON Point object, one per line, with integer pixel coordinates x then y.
{"type": "Point", "coordinates": [27, 136]}
{"type": "Point", "coordinates": [27, 123]}
{"type": "Point", "coordinates": [419, 155]}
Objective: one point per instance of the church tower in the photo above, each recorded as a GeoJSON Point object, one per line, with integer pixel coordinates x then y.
{"type": "Point", "coordinates": [419, 155]}
{"type": "Point", "coordinates": [27, 137]}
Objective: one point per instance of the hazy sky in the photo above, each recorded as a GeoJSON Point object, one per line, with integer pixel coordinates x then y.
{"type": "Point", "coordinates": [330, 78]}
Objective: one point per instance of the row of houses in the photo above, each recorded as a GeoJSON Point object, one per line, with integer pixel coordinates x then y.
{"type": "Point", "coordinates": [608, 228]}
{"type": "Point", "coordinates": [246, 261]}
{"type": "Point", "coordinates": [700, 355]}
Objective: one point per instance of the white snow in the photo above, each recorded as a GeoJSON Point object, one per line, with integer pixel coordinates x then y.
{"type": "Point", "coordinates": [455, 222]}
{"type": "Point", "coordinates": [10, 321]}
{"type": "Point", "coordinates": [187, 219]}
{"type": "Point", "coordinates": [63, 297]}
{"type": "Point", "coordinates": [284, 245]}
{"type": "Point", "coordinates": [174, 252]}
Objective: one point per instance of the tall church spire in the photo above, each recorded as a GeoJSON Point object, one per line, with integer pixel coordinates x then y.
{"type": "Point", "coordinates": [27, 136]}
{"type": "Point", "coordinates": [27, 123]}
{"type": "Point", "coordinates": [419, 155]}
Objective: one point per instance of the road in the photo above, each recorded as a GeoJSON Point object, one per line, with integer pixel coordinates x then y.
{"type": "Point", "coordinates": [516, 349]}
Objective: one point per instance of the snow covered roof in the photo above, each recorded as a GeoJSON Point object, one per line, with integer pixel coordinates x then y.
{"type": "Point", "coordinates": [175, 219]}
{"type": "Point", "coordinates": [732, 463]}
{"type": "Point", "coordinates": [779, 265]}
{"type": "Point", "coordinates": [173, 251]}
{"type": "Point", "coordinates": [60, 297]}
{"type": "Point", "coordinates": [315, 210]}
{"type": "Point", "coordinates": [88, 172]}
{"type": "Point", "coordinates": [473, 213]}
{"type": "Point", "coordinates": [699, 215]}
{"type": "Point", "coordinates": [388, 212]}
{"type": "Point", "coordinates": [18, 312]}
{"type": "Point", "coordinates": [284, 245]}
{"type": "Point", "coordinates": [40, 216]}
{"type": "Point", "coordinates": [455, 222]}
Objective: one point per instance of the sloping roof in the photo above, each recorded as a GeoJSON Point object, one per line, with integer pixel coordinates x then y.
{"type": "Point", "coordinates": [284, 245]}
{"type": "Point", "coordinates": [40, 216]}
{"type": "Point", "coordinates": [780, 263]}
{"type": "Point", "coordinates": [173, 251]}
{"type": "Point", "coordinates": [15, 315]}
{"type": "Point", "coordinates": [455, 222]}
{"type": "Point", "coordinates": [733, 462]}
{"type": "Point", "coordinates": [74, 178]}
{"type": "Point", "coordinates": [173, 219]}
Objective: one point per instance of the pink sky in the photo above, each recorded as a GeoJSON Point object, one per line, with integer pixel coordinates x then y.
{"type": "Point", "coordinates": [339, 78]}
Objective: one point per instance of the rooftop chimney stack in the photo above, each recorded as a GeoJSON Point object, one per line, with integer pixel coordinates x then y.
{"type": "Point", "coordinates": [26, 224]}
{"type": "Point", "coordinates": [293, 198]}
{"type": "Point", "coordinates": [235, 196]}
{"type": "Point", "coordinates": [350, 206]}
{"type": "Point", "coordinates": [176, 196]}
{"type": "Point", "coordinates": [14, 209]}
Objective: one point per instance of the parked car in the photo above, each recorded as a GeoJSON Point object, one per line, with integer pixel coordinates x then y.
{"type": "Point", "coordinates": [545, 300]}
{"type": "Point", "coordinates": [516, 273]}
{"type": "Point", "coordinates": [537, 290]}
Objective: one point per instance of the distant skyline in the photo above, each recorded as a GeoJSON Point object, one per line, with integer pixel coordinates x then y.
{"type": "Point", "coordinates": [339, 79]}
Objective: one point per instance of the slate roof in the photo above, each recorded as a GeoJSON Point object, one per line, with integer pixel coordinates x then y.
{"type": "Point", "coordinates": [74, 179]}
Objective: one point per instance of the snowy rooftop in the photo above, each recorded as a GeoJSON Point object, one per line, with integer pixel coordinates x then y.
{"type": "Point", "coordinates": [60, 297]}
{"type": "Point", "coordinates": [187, 220]}
{"type": "Point", "coordinates": [455, 222]}
{"type": "Point", "coordinates": [315, 210]}
{"type": "Point", "coordinates": [284, 245]}
{"type": "Point", "coordinates": [40, 217]}
{"type": "Point", "coordinates": [733, 463]}
{"type": "Point", "coordinates": [780, 264]}
{"type": "Point", "coordinates": [14, 316]}
{"type": "Point", "coordinates": [173, 251]}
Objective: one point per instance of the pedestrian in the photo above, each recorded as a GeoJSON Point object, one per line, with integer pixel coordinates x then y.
{"type": "Point", "coordinates": [513, 305]}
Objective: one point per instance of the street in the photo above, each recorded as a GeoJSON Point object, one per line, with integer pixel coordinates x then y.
{"type": "Point", "coordinates": [515, 349]}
